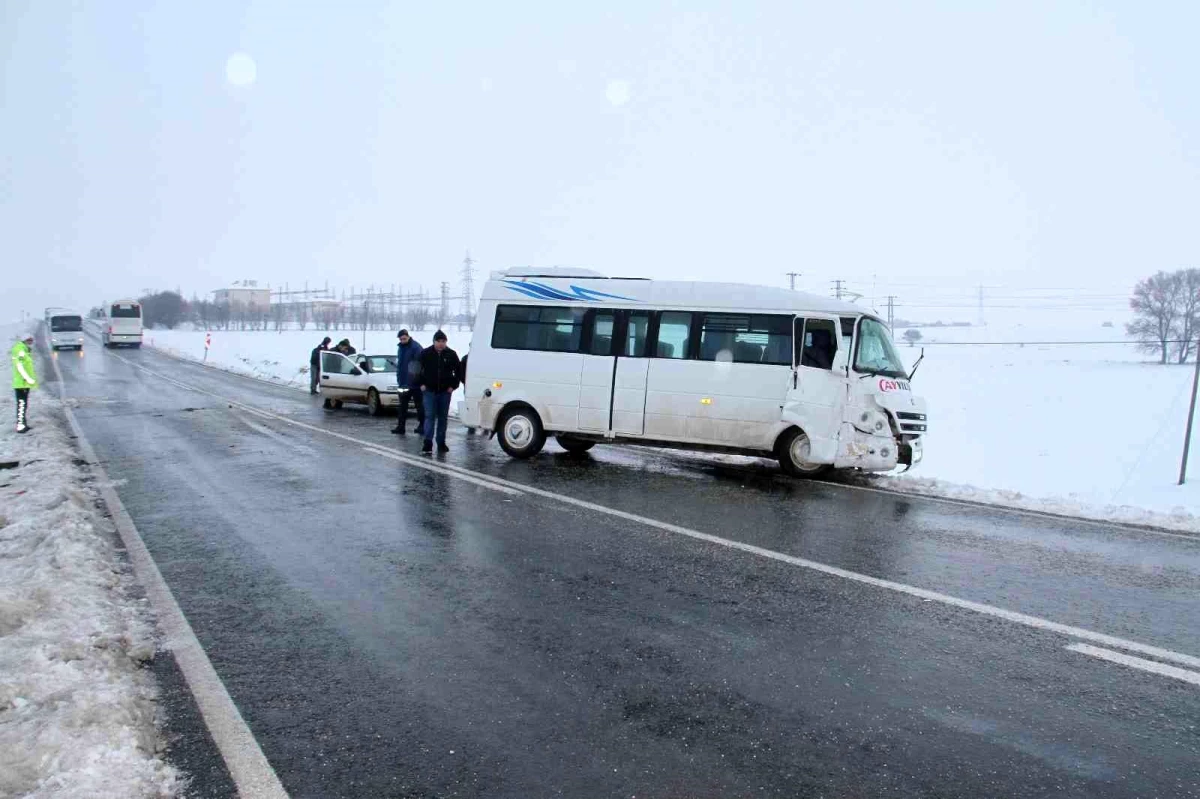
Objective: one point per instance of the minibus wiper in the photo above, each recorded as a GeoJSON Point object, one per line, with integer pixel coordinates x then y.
{"type": "Point", "coordinates": [917, 364]}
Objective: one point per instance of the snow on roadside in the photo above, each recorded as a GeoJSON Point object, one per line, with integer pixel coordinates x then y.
{"type": "Point", "coordinates": [282, 356]}
{"type": "Point", "coordinates": [77, 703]}
{"type": "Point", "coordinates": [1175, 519]}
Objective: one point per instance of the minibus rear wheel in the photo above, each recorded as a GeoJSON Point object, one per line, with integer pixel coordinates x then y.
{"type": "Point", "coordinates": [575, 446]}
{"type": "Point", "coordinates": [793, 452]}
{"type": "Point", "coordinates": [521, 433]}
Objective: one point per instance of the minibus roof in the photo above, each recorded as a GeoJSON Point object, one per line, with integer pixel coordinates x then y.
{"type": "Point", "coordinates": [586, 287]}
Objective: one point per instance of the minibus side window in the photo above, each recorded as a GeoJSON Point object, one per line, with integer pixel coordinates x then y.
{"type": "Point", "coordinates": [820, 344]}
{"type": "Point", "coordinates": [741, 338]}
{"type": "Point", "coordinates": [637, 333]}
{"type": "Point", "coordinates": [674, 332]}
{"type": "Point", "coordinates": [603, 326]}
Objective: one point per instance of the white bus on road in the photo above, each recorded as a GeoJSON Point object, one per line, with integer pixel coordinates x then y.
{"type": "Point", "coordinates": [122, 324]}
{"type": "Point", "coordinates": [814, 382]}
{"type": "Point", "coordinates": [64, 328]}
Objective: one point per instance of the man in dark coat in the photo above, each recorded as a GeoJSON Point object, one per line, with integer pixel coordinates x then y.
{"type": "Point", "coordinates": [314, 365]}
{"type": "Point", "coordinates": [408, 373]}
{"type": "Point", "coordinates": [439, 378]}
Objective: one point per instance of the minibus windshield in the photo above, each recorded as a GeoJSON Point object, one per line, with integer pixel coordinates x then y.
{"type": "Point", "coordinates": [876, 352]}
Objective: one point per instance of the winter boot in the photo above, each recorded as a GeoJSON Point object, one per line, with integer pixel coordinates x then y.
{"type": "Point", "coordinates": [443, 449]}
{"type": "Point", "coordinates": [399, 430]}
{"type": "Point", "coordinates": [427, 448]}
{"type": "Point", "coordinates": [21, 426]}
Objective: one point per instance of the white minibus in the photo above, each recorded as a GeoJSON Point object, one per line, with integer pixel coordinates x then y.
{"type": "Point", "coordinates": [813, 382]}
{"type": "Point", "coordinates": [122, 324]}
{"type": "Point", "coordinates": [64, 328]}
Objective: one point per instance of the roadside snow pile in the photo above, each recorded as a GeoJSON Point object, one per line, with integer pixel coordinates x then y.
{"type": "Point", "coordinates": [77, 706]}
{"type": "Point", "coordinates": [1175, 519]}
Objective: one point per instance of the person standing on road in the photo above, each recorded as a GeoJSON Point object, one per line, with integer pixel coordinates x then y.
{"type": "Point", "coordinates": [462, 379]}
{"type": "Point", "coordinates": [24, 380]}
{"type": "Point", "coordinates": [439, 378]}
{"type": "Point", "coordinates": [408, 370]}
{"type": "Point", "coordinates": [314, 365]}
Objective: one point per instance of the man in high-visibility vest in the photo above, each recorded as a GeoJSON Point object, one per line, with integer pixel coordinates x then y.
{"type": "Point", "coordinates": [24, 379]}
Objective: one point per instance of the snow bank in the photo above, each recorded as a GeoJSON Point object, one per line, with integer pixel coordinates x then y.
{"type": "Point", "coordinates": [282, 356]}
{"type": "Point", "coordinates": [1175, 519]}
{"type": "Point", "coordinates": [77, 705]}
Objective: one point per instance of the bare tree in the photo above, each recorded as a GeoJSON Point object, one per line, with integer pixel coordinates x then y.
{"type": "Point", "coordinates": [1156, 305]}
{"type": "Point", "coordinates": [1188, 323]}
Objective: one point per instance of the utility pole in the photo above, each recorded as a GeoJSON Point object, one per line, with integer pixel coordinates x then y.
{"type": "Point", "coordinates": [1187, 436]}
{"type": "Point", "coordinates": [837, 288]}
{"type": "Point", "coordinates": [468, 290]}
{"type": "Point", "coordinates": [792, 278]}
{"type": "Point", "coordinates": [444, 310]}
{"type": "Point", "coordinates": [891, 306]}
{"type": "Point", "coordinates": [982, 323]}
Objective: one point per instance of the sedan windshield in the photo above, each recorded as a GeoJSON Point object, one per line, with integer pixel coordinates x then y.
{"type": "Point", "coordinates": [876, 352]}
{"type": "Point", "coordinates": [381, 363]}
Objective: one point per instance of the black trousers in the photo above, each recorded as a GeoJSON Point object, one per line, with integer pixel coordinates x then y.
{"type": "Point", "coordinates": [414, 395]}
{"type": "Point", "coordinates": [22, 405]}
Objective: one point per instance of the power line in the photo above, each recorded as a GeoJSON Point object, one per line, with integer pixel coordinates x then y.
{"type": "Point", "coordinates": [1154, 343]}
{"type": "Point", "coordinates": [792, 277]}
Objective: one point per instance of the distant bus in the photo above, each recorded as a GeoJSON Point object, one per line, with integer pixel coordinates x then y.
{"type": "Point", "coordinates": [64, 328]}
{"type": "Point", "coordinates": [122, 324]}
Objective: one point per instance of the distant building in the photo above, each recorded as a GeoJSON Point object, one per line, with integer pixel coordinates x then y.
{"type": "Point", "coordinates": [244, 295]}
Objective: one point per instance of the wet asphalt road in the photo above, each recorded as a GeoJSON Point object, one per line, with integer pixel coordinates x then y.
{"type": "Point", "coordinates": [388, 631]}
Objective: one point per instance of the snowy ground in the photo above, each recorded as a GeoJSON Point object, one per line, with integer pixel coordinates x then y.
{"type": "Point", "coordinates": [77, 705]}
{"type": "Point", "coordinates": [1084, 429]}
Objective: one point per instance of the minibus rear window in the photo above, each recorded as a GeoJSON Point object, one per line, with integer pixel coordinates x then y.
{"type": "Point", "coordinates": [126, 311]}
{"type": "Point", "coordinates": [532, 327]}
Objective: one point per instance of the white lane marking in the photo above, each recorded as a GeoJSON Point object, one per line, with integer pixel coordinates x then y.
{"type": "Point", "coordinates": [1013, 616]}
{"type": "Point", "coordinates": [433, 467]}
{"type": "Point", "coordinates": [1137, 663]}
{"type": "Point", "coordinates": [248, 766]}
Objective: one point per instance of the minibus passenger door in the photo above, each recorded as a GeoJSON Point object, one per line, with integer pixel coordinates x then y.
{"type": "Point", "coordinates": [630, 375]}
{"type": "Point", "coordinates": [599, 368]}
{"type": "Point", "coordinates": [817, 399]}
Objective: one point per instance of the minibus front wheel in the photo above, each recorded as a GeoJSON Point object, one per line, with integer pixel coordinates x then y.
{"type": "Point", "coordinates": [793, 451]}
{"type": "Point", "coordinates": [521, 433]}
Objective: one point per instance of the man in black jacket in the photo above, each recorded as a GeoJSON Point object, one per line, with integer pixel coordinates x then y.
{"type": "Point", "coordinates": [314, 365]}
{"type": "Point", "coordinates": [439, 378]}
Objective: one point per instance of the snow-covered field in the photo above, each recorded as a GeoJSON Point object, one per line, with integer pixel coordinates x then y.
{"type": "Point", "coordinates": [77, 704]}
{"type": "Point", "coordinates": [1083, 429]}
{"type": "Point", "coordinates": [282, 356]}
{"type": "Point", "coordinates": [1094, 430]}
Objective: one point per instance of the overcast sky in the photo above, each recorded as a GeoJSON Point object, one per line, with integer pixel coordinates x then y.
{"type": "Point", "coordinates": [1012, 144]}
